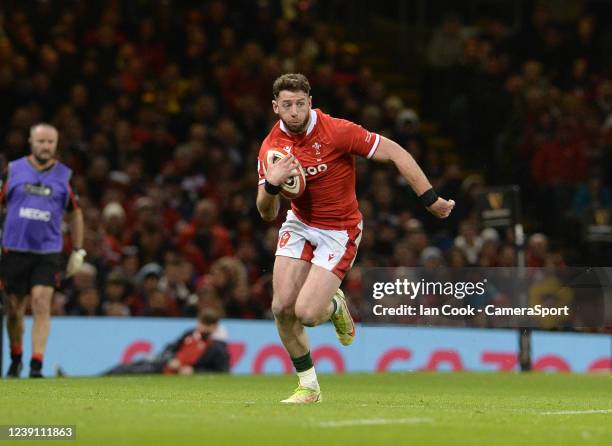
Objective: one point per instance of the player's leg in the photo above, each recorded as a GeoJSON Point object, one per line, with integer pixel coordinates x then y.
{"type": "Point", "coordinates": [14, 269]}
{"type": "Point", "coordinates": [314, 304]}
{"type": "Point", "coordinates": [44, 278]}
{"type": "Point", "coordinates": [16, 308]}
{"type": "Point", "coordinates": [320, 298]}
{"type": "Point", "coordinates": [293, 255]}
{"type": "Point", "coordinates": [289, 275]}
{"type": "Point", "coordinates": [41, 312]}
{"type": "Point", "coordinates": [287, 280]}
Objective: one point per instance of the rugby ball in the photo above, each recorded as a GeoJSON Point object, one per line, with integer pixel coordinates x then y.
{"type": "Point", "coordinates": [295, 185]}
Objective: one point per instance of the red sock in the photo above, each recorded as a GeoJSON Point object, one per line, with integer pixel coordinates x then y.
{"type": "Point", "coordinates": [16, 349]}
{"type": "Point", "coordinates": [37, 356]}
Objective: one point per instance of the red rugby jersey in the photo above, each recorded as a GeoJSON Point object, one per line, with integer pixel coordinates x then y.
{"type": "Point", "coordinates": [325, 151]}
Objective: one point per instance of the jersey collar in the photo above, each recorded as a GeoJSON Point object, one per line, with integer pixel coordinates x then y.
{"type": "Point", "coordinates": [311, 124]}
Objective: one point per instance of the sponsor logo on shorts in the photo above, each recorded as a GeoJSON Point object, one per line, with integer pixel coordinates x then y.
{"type": "Point", "coordinates": [284, 238]}
{"type": "Point", "coordinates": [330, 257]}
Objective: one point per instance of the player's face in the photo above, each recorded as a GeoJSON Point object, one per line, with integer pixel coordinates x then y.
{"type": "Point", "coordinates": [206, 329]}
{"type": "Point", "coordinates": [44, 144]}
{"type": "Point", "coordinates": [293, 108]}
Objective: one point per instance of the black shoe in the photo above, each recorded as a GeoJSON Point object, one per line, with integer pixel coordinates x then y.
{"type": "Point", "coordinates": [14, 370]}
{"type": "Point", "coordinates": [35, 373]}
{"type": "Point", "coordinates": [36, 368]}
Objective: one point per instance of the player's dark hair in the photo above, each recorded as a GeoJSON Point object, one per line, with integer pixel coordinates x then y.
{"type": "Point", "coordinates": [291, 82]}
{"type": "Point", "coordinates": [209, 316]}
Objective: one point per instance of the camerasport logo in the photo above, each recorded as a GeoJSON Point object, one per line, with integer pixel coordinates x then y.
{"type": "Point", "coordinates": [284, 238]}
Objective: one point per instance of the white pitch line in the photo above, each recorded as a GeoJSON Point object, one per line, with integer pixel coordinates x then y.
{"type": "Point", "coordinates": [374, 422]}
{"type": "Point", "coordinates": [577, 412]}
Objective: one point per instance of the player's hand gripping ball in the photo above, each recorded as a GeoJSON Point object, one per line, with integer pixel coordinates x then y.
{"type": "Point", "coordinates": [295, 184]}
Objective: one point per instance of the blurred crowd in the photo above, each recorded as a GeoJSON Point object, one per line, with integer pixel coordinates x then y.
{"type": "Point", "coordinates": [534, 107]}
{"type": "Point", "coordinates": [161, 108]}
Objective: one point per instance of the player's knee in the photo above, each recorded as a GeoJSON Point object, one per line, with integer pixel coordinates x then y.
{"type": "Point", "coordinates": [15, 308]}
{"type": "Point", "coordinates": [307, 316]}
{"type": "Point", "coordinates": [40, 306]}
{"type": "Point", "coordinates": [13, 312]}
{"type": "Point", "coordinates": [282, 311]}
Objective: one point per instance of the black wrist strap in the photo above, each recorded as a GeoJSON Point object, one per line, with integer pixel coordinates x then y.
{"type": "Point", "coordinates": [429, 197]}
{"type": "Point", "coordinates": [271, 188]}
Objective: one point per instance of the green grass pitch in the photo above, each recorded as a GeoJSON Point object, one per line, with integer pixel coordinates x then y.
{"type": "Point", "coordinates": [357, 409]}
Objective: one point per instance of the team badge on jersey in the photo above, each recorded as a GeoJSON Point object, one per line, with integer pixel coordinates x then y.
{"type": "Point", "coordinates": [317, 147]}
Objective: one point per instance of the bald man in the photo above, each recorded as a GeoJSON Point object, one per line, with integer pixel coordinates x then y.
{"type": "Point", "coordinates": [36, 193]}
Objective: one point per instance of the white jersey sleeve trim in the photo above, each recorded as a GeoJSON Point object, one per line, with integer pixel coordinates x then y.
{"type": "Point", "coordinates": [374, 147]}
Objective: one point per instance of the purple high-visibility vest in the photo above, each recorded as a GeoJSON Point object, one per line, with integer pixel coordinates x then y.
{"type": "Point", "coordinates": [35, 204]}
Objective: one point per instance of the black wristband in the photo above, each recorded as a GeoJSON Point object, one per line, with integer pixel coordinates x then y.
{"type": "Point", "coordinates": [271, 188]}
{"type": "Point", "coordinates": [429, 197]}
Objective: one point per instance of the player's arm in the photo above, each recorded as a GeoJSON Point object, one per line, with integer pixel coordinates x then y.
{"type": "Point", "coordinates": [77, 232]}
{"type": "Point", "coordinates": [3, 192]}
{"type": "Point", "coordinates": [268, 201]}
{"type": "Point", "coordinates": [268, 204]}
{"type": "Point", "coordinates": [77, 228]}
{"type": "Point", "coordinates": [3, 197]}
{"type": "Point", "coordinates": [77, 225]}
{"type": "Point", "coordinates": [389, 150]}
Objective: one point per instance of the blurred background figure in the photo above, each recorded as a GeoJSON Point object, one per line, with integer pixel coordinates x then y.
{"type": "Point", "coordinates": [200, 350]}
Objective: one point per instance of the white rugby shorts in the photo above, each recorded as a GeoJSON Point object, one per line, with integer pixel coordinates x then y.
{"type": "Point", "coordinates": [334, 250]}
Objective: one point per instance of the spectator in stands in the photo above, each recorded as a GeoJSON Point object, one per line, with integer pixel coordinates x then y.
{"type": "Point", "coordinates": [537, 251]}
{"type": "Point", "coordinates": [177, 283]}
{"type": "Point", "coordinates": [87, 303]}
{"type": "Point", "coordinates": [146, 282]}
{"type": "Point", "coordinates": [211, 240]}
{"type": "Point", "coordinates": [592, 195]}
{"type": "Point", "coordinates": [469, 242]}
{"type": "Point", "coordinates": [447, 45]}
{"type": "Point", "coordinates": [114, 220]}
{"type": "Point", "coordinates": [241, 305]}
{"type": "Point", "coordinates": [160, 304]}
{"type": "Point", "coordinates": [116, 293]}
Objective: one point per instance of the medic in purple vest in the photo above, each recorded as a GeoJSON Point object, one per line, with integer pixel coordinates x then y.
{"type": "Point", "coordinates": [35, 194]}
